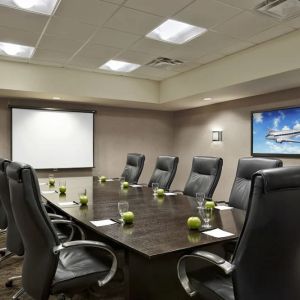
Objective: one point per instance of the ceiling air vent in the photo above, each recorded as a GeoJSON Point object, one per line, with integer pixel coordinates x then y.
{"type": "Point", "coordinates": [164, 63]}
{"type": "Point", "coordinates": [280, 9]}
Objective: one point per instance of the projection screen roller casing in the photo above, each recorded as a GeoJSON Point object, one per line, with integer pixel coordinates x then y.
{"type": "Point", "coordinates": [53, 139]}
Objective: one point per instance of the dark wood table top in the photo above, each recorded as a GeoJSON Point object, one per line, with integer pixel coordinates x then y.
{"type": "Point", "coordinates": [160, 223]}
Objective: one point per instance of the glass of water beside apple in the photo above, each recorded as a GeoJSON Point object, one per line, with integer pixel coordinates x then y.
{"type": "Point", "coordinates": [62, 186]}
{"type": "Point", "coordinates": [206, 207]}
{"type": "Point", "coordinates": [155, 187]}
{"type": "Point", "coordinates": [123, 206]}
{"type": "Point", "coordinates": [83, 198]}
{"type": "Point", "coordinates": [51, 180]}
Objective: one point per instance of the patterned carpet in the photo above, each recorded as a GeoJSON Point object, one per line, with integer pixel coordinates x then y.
{"type": "Point", "coordinates": [12, 267]}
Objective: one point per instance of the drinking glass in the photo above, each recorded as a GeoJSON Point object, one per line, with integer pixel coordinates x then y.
{"type": "Point", "coordinates": [62, 186]}
{"type": "Point", "coordinates": [200, 198]}
{"type": "Point", "coordinates": [51, 180]}
{"type": "Point", "coordinates": [123, 207]}
{"type": "Point", "coordinates": [155, 187]}
{"type": "Point", "coordinates": [122, 180]}
{"type": "Point", "coordinates": [206, 215]}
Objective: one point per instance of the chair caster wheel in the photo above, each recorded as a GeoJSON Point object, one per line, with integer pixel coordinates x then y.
{"type": "Point", "coordinates": [2, 253]}
{"type": "Point", "coordinates": [9, 283]}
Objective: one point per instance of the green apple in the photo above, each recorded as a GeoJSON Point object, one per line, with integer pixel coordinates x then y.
{"type": "Point", "coordinates": [51, 181]}
{"type": "Point", "coordinates": [102, 178]}
{"type": "Point", "coordinates": [193, 223]}
{"type": "Point", "coordinates": [160, 192]}
{"type": "Point", "coordinates": [128, 217]}
{"type": "Point", "coordinates": [83, 199]}
{"type": "Point", "coordinates": [210, 204]}
{"type": "Point", "coordinates": [62, 189]}
{"type": "Point", "coordinates": [125, 185]}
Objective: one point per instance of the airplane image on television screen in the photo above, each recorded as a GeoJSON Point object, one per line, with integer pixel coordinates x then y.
{"type": "Point", "coordinates": [276, 132]}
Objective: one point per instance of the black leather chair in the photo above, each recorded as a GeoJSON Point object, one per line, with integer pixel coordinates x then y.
{"type": "Point", "coordinates": [52, 267]}
{"type": "Point", "coordinates": [134, 167]}
{"type": "Point", "coordinates": [265, 265]}
{"type": "Point", "coordinates": [241, 186]}
{"type": "Point", "coordinates": [204, 176]}
{"type": "Point", "coordinates": [164, 171]}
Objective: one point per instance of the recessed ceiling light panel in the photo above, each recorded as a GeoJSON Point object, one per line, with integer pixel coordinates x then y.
{"type": "Point", "coordinates": [16, 50]}
{"type": "Point", "coordinates": [119, 66]}
{"type": "Point", "coordinates": [36, 6]}
{"type": "Point", "coordinates": [175, 32]}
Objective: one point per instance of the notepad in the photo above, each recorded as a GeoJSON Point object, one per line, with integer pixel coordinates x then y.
{"type": "Point", "coordinates": [100, 223]}
{"type": "Point", "coordinates": [48, 192]}
{"type": "Point", "coordinates": [170, 194]}
{"type": "Point", "coordinates": [218, 233]}
{"type": "Point", "coordinates": [135, 185]}
{"type": "Point", "coordinates": [223, 207]}
{"type": "Point", "coordinates": [65, 204]}
{"type": "Point", "coordinates": [42, 183]}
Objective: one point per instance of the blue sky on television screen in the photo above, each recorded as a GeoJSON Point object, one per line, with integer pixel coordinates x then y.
{"type": "Point", "coordinates": [277, 131]}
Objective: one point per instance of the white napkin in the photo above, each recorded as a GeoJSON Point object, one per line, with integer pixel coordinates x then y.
{"type": "Point", "coordinates": [42, 183]}
{"type": "Point", "coordinates": [218, 233]}
{"type": "Point", "coordinates": [64, 204]}
{"type": "Point", "coordinates": [223, 207]}
{"type": "Point", "coordinates": [48, 192]}
{"type": "Point", "coordinates": [136, 185]}
{"type": "Point", "coordinates": [103, 222]}
{"type": "Point", "coordinates": [170, 194]}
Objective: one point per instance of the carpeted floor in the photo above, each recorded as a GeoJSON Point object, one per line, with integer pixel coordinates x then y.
{"type": "Point", "coordinates": [12, 267]}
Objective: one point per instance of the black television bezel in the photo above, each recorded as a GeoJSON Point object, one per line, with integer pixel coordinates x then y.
{"type": "Point", "coordinates": [55, 109]}
{"type": "Point", "coordinates": [270, 154]}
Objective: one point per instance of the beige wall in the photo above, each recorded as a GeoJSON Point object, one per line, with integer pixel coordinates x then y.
{"type": "Point", "coordinates": [117, 132]}
{"type": "Point", "coordinates": [192, 134]}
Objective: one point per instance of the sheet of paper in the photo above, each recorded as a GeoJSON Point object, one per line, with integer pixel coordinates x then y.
{"type": "Point", "coordinates": [42, 183]}
{"type": "Point", "coordinates": [103, 222]}
{"type": "Point", "coordinates": [223, 207]}
{"type": "Point", "coordinates": [136, 185]}
{"type": "Point", "coordinates": [218, 233]}
{"type": "Point", "coordinates": [48, 192]}
{"type": "Point", "coordinates": [64, 204]}
{"type": "Point", "coordinates": [170, 194]}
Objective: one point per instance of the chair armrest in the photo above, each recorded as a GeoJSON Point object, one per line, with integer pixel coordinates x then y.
{"type": "Point", "coordinates": [216, 260]}
{"type": "Point", "coordinates": [71, 223]}
{"type": "Point", "coordinates": [55, 216]}
{"type": "Point", "coordinates": [49, 208]}
{"type": "Point", "coordinates": [92, 244]}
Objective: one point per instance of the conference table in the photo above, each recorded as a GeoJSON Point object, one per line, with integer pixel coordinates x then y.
{"type": "Point", "coordinates": [157, 238]}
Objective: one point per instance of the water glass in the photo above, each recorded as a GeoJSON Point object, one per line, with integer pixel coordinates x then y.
{"type": "Point", "coordinates": [123, 207]}
{"type": "Point", "coordinates": [155, 187]}
{"type": "Point", "coordinates": [51, 180]}
{"type": "Point", "coordinates": [200, 198]}
{"type": "Point", "coordinates": [206, 215]}
{"type": "Point", "coordinates": [122, 180]}
{"type": "Point", "coordinates": [62, 186]}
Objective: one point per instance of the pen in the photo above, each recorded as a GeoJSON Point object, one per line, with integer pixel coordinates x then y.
{"type": "Point", "coordinates": [76, 202]}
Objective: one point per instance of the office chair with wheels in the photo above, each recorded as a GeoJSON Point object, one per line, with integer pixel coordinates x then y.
{"type": "Point", "coordinates": [52, 267]}
{"type": "Point", "coordinates": [164, 172]}
{"type": "Point", "coordinates": [247, 166]}
{"type": "Point", "coordinates": [204, 176]}
{"type": "Point", "coordinates": [265, 264]}
{"type": "Point", "coordinates": [134, 167]}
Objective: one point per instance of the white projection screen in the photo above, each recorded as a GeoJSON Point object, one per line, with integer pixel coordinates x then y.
{"type": "Point", "coordinates": [53, 139]}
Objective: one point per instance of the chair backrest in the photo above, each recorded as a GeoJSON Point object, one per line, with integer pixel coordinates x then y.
{"type": "Point", "coordinates": [37, 232]}
{"type": "Point", "coordinates": [247, 166]}
{"type": "Point", "coordinates": [267, 261]}
{"type": "Point", "coordinates": [204, 176]}
{"type": "Point", "coordinates": [14, 242]}
{"type": "Point", "coordinates": [134, 167]}
{"type": "Point", "coordinates": [164, 172]}
{"type": "Point", "coordinates": [3, 215]}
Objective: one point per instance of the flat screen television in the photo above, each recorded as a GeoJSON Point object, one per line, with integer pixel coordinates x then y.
{"type": "Point", "coordinates": [276, 132]}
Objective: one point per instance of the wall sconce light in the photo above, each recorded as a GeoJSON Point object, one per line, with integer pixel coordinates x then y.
{"type": "Point", "coordinates": [217, 135]}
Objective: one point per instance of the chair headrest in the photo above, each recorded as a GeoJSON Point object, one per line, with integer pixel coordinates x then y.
{"type": "Point", "coordinates": [206, 165]}
{"type": "Point", "coordinates": [247, 166]}
{"type": "Point", "coordinates": [3, 164]}
{"type": "Point", "coordinates": [166, 163]}
{"type": "Point", "coordinates": [280, 178]}
{"type": "Point", "coordinates": [14, 171]}
{"type": "Point", "coordinates": [134, 158]}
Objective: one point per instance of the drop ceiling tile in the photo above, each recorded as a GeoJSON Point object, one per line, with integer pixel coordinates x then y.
{"type": "Point", "coordinates": [22, 20]}
{"type": "Point", "coordinates": [70, 29]}
{"type": "Point", "coordinates": [149, 71]}
{"type": "Point", "coordinates": [89, 11]}
{"type": "Point", "coordinates": [185, 67]}
{"type": "Point", "coordinates": [133, 21]}
{"type": "Point", "coordinates": [98, 51]}
{"type": "Point", "coordinates": [158, 7]}
{"type": "Point", "coordinates": [295, 23]}
{"type": "Point", "coordinates": [86, 62]}
{"type": "Point", "coordinates": [119, 2]}
{"type": "Point", "coordinates": [50, 56]}
{"type": "Point", "coordinates": [15, 36]}
{"type": "Point", "coordinates": [59, 44]}
{"type": "Point", "coordinates": [208, 58]}
{"type": "Point", "coordinates": [270, 33]}
{"type": "Point", "coordinates": [114, 38]}
{"type": "Point", "coordinates": [246, 25]}
{"type": "Point", "coordinates": [151, 47]}
{"type": "Point", "coordinates": [207, 13]}
{"type": "Point", "coordinates": [136, 57]}
{"type": "Point", "coordinates": [236, 47]}
{"type": "Point", "coordinates": [244, 4]}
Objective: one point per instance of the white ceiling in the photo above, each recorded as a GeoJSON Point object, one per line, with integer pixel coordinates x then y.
{"type": "Point", "coordinates": [84, 34]}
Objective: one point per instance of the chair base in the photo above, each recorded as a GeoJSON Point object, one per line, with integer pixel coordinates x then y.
{"type": "Point", "coordinates": [6, 256]}
{"type": "Point", "coordinates": [9, 282]}
{"type": "Point", "coordinates": [18, 294]}
{"type": "Point", "coordinates": [2, 251]}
